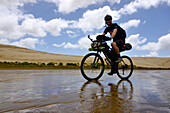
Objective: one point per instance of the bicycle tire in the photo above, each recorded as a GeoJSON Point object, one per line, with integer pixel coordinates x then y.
{"type": "Point", "coordinates": [83, 61]}
{"type": "Point", "coordinates": [131, 70]}
{"type": "Point", "coordinates": [131, 87]}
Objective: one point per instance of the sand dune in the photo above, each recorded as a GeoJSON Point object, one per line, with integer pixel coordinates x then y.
{"type": "Point", "coordinates": [12, 54]}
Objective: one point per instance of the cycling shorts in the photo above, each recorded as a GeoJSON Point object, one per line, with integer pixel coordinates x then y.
{"type": "Point", "coordinates": [120, 43]}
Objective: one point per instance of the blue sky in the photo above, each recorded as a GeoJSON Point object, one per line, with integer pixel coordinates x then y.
{"type": "Point", "coordinates": [61, 27]}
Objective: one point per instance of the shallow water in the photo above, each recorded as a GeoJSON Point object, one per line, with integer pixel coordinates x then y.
{"type": "Point", "coordinates": [66, 91]}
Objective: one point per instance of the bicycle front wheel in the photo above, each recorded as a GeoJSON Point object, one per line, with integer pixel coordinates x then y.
{"type": "Point", "coordinates": [125, 68]}
{"type": "Point", "coordinates": [92, 66]}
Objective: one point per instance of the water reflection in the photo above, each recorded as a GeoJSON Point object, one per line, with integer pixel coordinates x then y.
{"type": "Point", "coordinates": [65, 91]}
{"type": "Point", "coordinates": [97, 97]}
{"type": "Point", "coordinates": [91, 89]}
{"type": "Point", "coordinates": [124, 89]}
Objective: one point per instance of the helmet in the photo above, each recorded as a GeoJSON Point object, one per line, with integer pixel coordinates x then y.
{"type": "Point", "coordinates": [107, 17]}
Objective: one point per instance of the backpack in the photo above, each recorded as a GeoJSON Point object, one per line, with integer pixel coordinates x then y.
{"type": "Point", "coordinates": [121, 32]}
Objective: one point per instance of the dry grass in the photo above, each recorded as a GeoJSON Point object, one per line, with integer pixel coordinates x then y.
{"type": "Point", "coordinates": [12, 54]}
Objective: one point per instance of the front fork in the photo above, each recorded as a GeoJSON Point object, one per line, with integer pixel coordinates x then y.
{"type": "Point", "coordinates": [96, 59]}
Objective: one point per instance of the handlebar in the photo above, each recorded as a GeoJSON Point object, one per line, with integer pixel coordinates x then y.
{"type": "Point", "coordinates": [102, 39]}
{"type": "Point", "coordinates": [90, 38]}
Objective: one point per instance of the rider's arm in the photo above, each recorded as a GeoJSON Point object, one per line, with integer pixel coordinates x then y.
{"type": "Point", "coordinates": [103, 34]}
{"type": "Point", "coordinates": [114, 33]}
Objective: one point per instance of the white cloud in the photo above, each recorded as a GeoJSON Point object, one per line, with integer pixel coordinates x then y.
{"type": "Point", "coordinates": [9, 27]}
{"type": "Point", "coordinates": [162, 44]}
{"type": "Point", "coordinates": [151, 46]}
{"type": "Point", "coordinates": [114, 1]}
{"type": "Point", "coordinates": [38, 27]}
{"type": "Point", "coordinates": [59, 45]}
{"type": "Point", "coordinates": [83, 43]}
{"type": "Point", "coordinates": [154, 47]}
{"type": "Point", "coordinates": [27, 42]}
{"type": "Point", "coordinates": [34, 27]}
{"type": "Point", "coordinates": [133, 6]}
{"type": "Point", "coordinates": [55, 11]}
{"type": "Point", "coordinates": [14, 3]}
{"type": "Point", "coordinates": [144, 22]}
{"type": "Point", "coordinates": [135, 40]}
{"type": "Point", "coordinates": [67, 6]}
{"type": "Point", "coordinates": [54, 26]}
{"type": "Point", "coordinates": [14, 24]}
{"type": "Point", "coordinates": [11, 16]}
{"type": "Point", "coordinates": [94, 19]}
{"type": "Point", "coordinates": [71, 34]}
{"type": "Point", "coordinates": [9, 21]}
{"type": "Point", "coordinates": [152, 54]}
{"type": "Point", "coordinates": [4, 41]}
{"type": "Point", "coordinates": [69, 45]}
{"type": "Point", "coordinates": [130, 23]}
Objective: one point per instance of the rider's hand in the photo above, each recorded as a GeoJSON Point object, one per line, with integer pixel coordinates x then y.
{"type": "Point", "coordinates": [102, 37]}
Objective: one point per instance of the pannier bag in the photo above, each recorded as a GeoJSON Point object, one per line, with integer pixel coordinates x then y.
{"type": "Point", "coordinates": [127, 46]}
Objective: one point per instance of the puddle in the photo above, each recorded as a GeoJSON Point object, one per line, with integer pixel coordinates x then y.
{"type": "Point", "coordinates": [66, 91]}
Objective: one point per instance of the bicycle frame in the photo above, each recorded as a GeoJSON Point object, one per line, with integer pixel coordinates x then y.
{"type": "Point", "coordinates": [106, 56]}
{"type": "Point", "coordinates": [98, 63]}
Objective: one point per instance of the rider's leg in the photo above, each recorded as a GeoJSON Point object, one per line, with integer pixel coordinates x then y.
{"type": "Point", "coordinates": [113, 67]}
{"type": "Point", "coordinates": [114, 46]}
{"type": "Point", "coordinates": [113, 70]}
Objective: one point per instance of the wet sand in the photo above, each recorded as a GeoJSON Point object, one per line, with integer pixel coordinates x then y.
{"type": "Point", "coordinates": [66, 91]}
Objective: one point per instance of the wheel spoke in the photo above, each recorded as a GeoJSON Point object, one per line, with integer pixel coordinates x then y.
{"type": "Point", "coordinates": [125, 68]}
{"type": "Point", "coordinates": [92, 66]}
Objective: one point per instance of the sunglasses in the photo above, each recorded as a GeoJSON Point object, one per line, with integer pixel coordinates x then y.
{"type": "Point", "coordinates": [108, 20]}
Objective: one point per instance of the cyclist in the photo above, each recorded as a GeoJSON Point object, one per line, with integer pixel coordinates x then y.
{"type": "Point", "coordinates": [118, 35]}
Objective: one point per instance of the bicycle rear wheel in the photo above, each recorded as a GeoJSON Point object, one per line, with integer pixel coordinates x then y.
{"type": "Point", "coordinates": [125, 68]}
{"type": "Point", "coordinates": [92, 66]}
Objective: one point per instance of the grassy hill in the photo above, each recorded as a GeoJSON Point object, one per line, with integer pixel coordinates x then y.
{"type": "Point", "coordinates": [12, 54]}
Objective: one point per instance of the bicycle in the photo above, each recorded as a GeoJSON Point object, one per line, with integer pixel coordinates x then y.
{"type": "Point", "coordinates": [92, 65]}
{"type": "Point", "coordinates": [122, 90]}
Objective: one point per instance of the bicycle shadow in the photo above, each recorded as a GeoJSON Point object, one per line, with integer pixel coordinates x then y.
{"type": "Point", "coordinates": [98, 97]}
